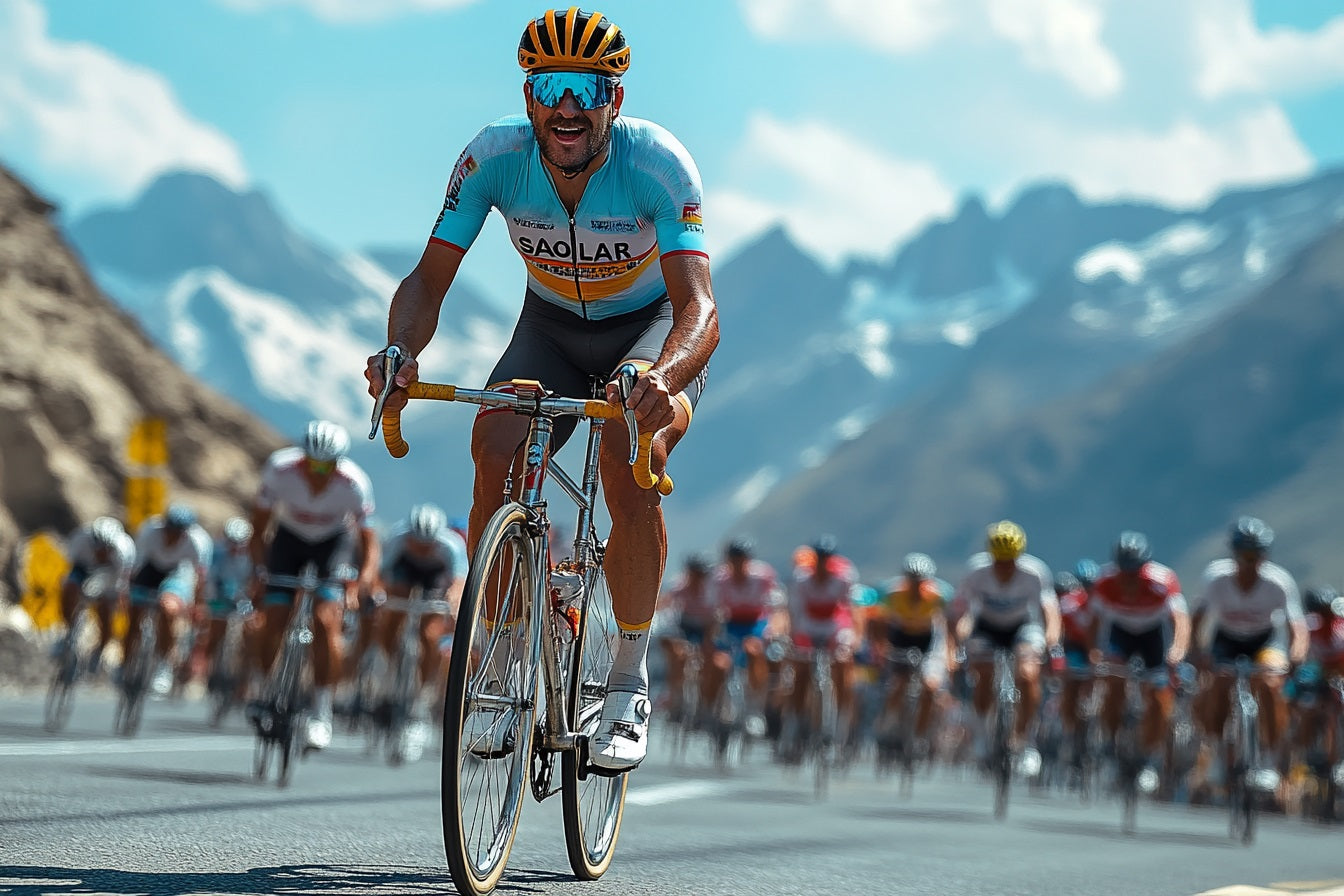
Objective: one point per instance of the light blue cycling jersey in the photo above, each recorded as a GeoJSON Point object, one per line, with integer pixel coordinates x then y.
{"type": "Point", "coordinates": [643, 203]}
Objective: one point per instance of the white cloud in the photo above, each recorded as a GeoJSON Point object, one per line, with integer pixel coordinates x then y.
{"type": "Point", "coordinates": [1187, 164]}
{"type": "Point", "coordinates": [834, 193]}
{"type": "Point", "coordinates": [1235, 56]}
{"type": "Point", "coordinates": [1060, 36]}
{"type": "Point", "coordinates": [345, 12]}
{"type": "Point", "coordinates": [83, 114]}
{"type": "Point", "coordinates": [1063, 36]}
{"type": "Point", "coordinates": [892, 25]}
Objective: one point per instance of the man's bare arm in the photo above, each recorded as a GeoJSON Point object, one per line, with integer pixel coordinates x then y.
{"type": "Point", "coordinates": [414, 315]}
{"type": "Point", "coordinates": [695, 320]}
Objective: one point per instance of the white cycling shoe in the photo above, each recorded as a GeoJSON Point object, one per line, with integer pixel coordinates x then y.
{"type": "Point", "coordinates": [317, 733]}
{"type": "Point", "coordinates": [622, 738]}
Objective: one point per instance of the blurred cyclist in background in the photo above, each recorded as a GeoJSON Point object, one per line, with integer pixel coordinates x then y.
{"type": "Point", "coordinates": [1006, 601]}
{"type": "Point", "coordinates": [171, 565]}
{"type": "Point", "coordinates": [101, 548]}
{"type": "Point", "coordinates": [319, 501]}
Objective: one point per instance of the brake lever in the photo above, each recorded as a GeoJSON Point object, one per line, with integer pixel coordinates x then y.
{"type": "Point", "coordinates": [625, 384]}
{"type": "Point", "coordinates": [392, 361]}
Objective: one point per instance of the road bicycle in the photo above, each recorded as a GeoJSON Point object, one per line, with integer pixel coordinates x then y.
{"type": "Point", "coordinates": [895, 728]}
{"type": "Point", "coordinates": [70, 661]}
{"type": "Point", "coordinates": [528, 674]}
{"type": "Point", "coordinates": [390, 713]}
{"type": "Point", "coordinates": [281, 714]}
{"type": "Point", "coordinates": [1007, 698]}
{"type": "Point", "coordinates": [1129, 754]}
{"type": "Point", "coordinates": [137, 672]}
{"type": "Point", "coordinates": [1241, 737]}
{"type": "Point", "coordinates": [815, 731]}
{"type": "Point", "coordinates": [225, 680]}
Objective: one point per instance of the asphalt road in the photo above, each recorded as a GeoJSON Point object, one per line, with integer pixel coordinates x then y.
{"type": "Point", "coordinates": [176, 811]}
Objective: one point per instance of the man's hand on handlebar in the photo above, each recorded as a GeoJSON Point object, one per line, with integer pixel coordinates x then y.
{"type": "Point", "coordinates": [407, 371]}
{"type": "Point", "coordinates": [650, 400]}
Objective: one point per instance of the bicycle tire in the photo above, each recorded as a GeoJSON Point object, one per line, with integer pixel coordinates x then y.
{"type": "Point", "coordinates": [60, 694]}
{"type": "Point", "coordinates": [501, 571]}
{"type": "Point", "coordinates": [136, 679]}
{"type": "Point", "coordinates": [827, 741]}
{"type": "Point", "coordinates": [594, 805]}
{"type": "Point", "coordinates": [1003, 759]}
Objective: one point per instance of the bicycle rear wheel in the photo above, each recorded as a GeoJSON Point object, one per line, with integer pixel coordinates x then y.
{"type": "Point", "coordinates": [593, 804]}
{"type": "Point", "coordinates": [61, 693]}
{"type": "Point", "coordinates": [490, 704]}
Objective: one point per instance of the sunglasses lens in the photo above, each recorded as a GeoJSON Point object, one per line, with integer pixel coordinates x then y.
{"type": "Point", "coordinates": [591, 91]}
{"type": "Point", "coordinates": [320, 467]}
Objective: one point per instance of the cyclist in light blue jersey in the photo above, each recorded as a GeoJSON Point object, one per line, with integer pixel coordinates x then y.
{"type": "Point", "coordinates": [606, 212]}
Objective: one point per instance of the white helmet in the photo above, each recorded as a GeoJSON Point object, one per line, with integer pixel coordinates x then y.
{"type": "Point", "coordinates": [325, 441]}
{"type": "Point", "coordinates": [427, 522]}
{"type": "Point", "coordinates": [106, 531]}
{"type": "Point", "coordinates": [237, 530]}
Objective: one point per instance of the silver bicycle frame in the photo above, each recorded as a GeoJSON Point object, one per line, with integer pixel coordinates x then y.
{"type": "Point", "coordinates": [538, 463]}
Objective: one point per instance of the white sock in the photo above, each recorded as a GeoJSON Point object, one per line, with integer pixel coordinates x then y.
{"type": "Point", "coordinates": [630, 666]}
{"type": "Point", "coordinates": [322, 702]}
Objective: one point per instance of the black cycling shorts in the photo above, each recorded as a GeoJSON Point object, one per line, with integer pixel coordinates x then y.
{"type": "Point", "coordinates": [902, 640]}
{"type": "Point", "coordinates": [407, 572]}
{"type": "Point", "coordinates": [564, 352]}
{"type": "Point", "coordinates": [289, 554]}
{"type": "Point", "coordinates": [1149, 646]}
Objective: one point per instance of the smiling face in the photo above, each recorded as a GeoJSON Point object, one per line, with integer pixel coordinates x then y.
{"type": "Point", "coordinates": [569, 136]}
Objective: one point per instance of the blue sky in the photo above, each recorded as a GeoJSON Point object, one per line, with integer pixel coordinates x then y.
{"type": "Point", "coordinates": [853, 122]}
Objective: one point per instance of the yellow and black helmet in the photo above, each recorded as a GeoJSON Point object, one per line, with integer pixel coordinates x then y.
{"type": "Point", "coordinates": [1005, 540]}
{"type": "Point", "coordinates": [573, 40]}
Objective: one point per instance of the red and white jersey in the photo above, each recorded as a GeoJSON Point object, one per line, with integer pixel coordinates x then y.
{"type": "Point", "coordinates": [820, 599]}
{"type": "Point", "coordinates": [81, 553]}
{"type": "Point", "coordinates": [748, 599]}
{"type": "Point", "coordinates": [1005, 604]}
{"type": "Point", "coordinates": [693, 603]}
{"type": "Point", "coordinates": [1327, 637]}
{"type": "Point", "coordinates": [194, 548]}
{"type": "Point", "coordinates": [345, 502]}
{"type": "Point", "coordinates": [1141, 603]}
{"type": "Point", "coordinates": [1272, 600]}
{"type": "Point", "coordinates": [1076, 612]}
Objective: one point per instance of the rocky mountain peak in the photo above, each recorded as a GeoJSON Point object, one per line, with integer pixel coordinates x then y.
{"type": "Point", "coordinates": [76, 374]}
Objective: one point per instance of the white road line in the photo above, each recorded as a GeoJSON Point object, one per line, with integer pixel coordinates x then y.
{"type": "Point", "coordinates": [94, 748]}
{"type": "Point", "coordinates": [670, 793]}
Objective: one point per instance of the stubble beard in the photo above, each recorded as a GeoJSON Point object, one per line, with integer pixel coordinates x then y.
{"type": "Point", "coordinates": [572, 160]}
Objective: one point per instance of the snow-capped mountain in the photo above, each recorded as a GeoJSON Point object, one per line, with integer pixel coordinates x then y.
{"type": "Point", "coordinates": [283, 324]}
{"type": "Point", "coordinates": [989, 311]}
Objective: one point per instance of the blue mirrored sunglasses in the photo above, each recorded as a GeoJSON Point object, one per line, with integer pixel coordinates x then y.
{"type": "Point", "coordinates": [591, 90]}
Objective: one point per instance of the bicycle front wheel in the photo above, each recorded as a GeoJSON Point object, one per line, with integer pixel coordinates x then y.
{"type": "Point", "coordinates": [593, 804]}
{"type": "Point", "coordinates": [490, 704]}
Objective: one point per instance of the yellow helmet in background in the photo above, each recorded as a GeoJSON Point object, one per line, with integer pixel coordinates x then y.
{"type": "Point", "coordinates": [1005, 540]}
{"type": "Point", "coordinates": [573, 40]}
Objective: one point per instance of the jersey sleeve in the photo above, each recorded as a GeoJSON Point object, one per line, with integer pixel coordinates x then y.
{"type": "Point", "coordinates": [472, 186]}
{"type": "Point", "coordinates": [204, 547]}
{"type": "Point", "coordinates": [268, 491]}
{"type": "Point", "coordinates": [362, 489]}
{"type": "Point", "coordinates": [456, 549]}
{"type": "Point", "coordinates": [671, 196]}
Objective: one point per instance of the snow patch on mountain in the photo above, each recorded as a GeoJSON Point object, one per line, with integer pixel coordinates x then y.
{"type": "Point", "coordinates": [293, 356]}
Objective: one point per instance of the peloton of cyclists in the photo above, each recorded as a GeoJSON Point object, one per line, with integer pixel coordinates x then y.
{"type": "Point", "coordinates": [747, 599]}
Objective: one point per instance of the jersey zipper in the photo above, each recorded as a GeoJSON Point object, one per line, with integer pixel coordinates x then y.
{"type": "Point", "coordinates": [574, 257]}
